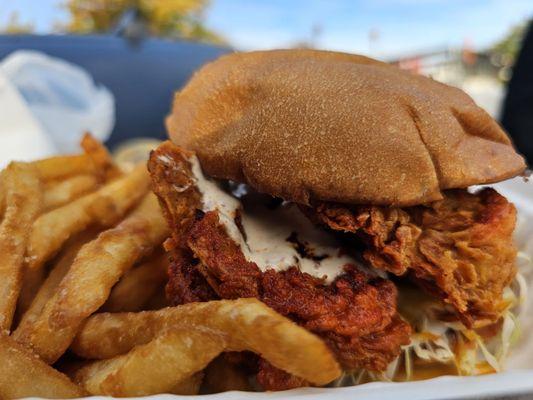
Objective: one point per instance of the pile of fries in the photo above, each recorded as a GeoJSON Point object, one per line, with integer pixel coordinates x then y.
{"type": "Point", "coordinates": [82, 306]}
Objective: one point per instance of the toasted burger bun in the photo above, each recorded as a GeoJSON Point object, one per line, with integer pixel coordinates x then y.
{"type": "Point", "coordinates": [310, 125]}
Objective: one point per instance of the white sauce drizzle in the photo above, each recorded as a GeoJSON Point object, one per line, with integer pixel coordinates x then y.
{"type": "Point", "coordinates": [267, 230]}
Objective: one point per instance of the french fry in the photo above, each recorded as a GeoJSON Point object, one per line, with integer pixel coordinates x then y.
{"type": "Point", "coordinates": [96, 161]}
{"type": "Point", "coordinates": [103, 207]}
{"type": "Point", "coordinates": [23, 375]}
{"type": "Point", "coordinates": [106, 335]}
{"type": "Point", "coordinates": [22, 190]}
{"type": "Point", "coordinates": [100, 156]}
{"type": "Point", "coordinates": [62, 167]}
{"type": "Point", "coordinates": [187, 387]}
{"type": "Point", "coordinates": [49, 286]}
{"type": "Point", "coordinates": [136, 288]}
{"type": "Point", "coordinates": [33, 278]}
{"type": "Point", "coordinates": [96, 268]}
{"type": "Point", "coordinates": [59, 193]}
{"type": "Point", "coordinates": [152, 368]}
{"type": "Point", "coordinates": [226, 325]}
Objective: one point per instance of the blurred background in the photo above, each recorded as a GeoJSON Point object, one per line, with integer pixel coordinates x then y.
{"type": "Point", "coordinates": [143, 50]}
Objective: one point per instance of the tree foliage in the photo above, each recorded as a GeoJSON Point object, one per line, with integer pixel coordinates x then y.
{"type": "Point", "coordinates": [508, 47]}
{"type": "Point", "coordinates": [14, 26]}
{"type": "Point", "coordinates": [181, 18]}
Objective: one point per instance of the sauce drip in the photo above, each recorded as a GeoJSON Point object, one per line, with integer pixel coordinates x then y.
{"type": "Point", "coordinates": [273, 237]}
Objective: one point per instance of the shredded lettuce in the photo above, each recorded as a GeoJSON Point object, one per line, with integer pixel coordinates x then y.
{"type": "Point", "coordinates": [451, 343]}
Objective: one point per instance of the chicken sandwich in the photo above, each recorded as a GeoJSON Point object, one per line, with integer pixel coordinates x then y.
{"type": "Point", "coordinates": [335, 189]}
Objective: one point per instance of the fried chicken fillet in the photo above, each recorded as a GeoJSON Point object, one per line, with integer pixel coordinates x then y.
{"type": "Point", "coordinates": [355, 314]}
{"type": "Point", "coordinates": [459, 248]}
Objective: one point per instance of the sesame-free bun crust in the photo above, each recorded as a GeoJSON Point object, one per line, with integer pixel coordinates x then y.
{"type": "Point", "coordinates": [310, 125]}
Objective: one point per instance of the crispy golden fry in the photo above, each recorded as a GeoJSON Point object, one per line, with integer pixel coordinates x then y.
{"type": "Point", "coordinates": [100, 156]}
{"type": "Point", "coordinates": [103, 207]}
{"type": "Point", "coordinates": [49, 286]}
{"type": "Point", "coordinates": [223, 376]}
{"type": "Point", "coordinates": [62, 167]}
{"type": "Point", "coordinates": [22, 374]}
{"type": "Point", "coordinates": [96, 268]}
{"type": "Point", "coordinates": [188, 387]}
{"type": "Point", "coordinates": [59, 193]}
{"type": "Point", "coordinates": [23, 198]}
{"type": "Point", "coordinates": [155, 367]}
{"type": "Point", "coordinates": [56, 193]}
{"type": "Point", "coordinates": [137, 287]}
{"type": "Point", "coordinates": [106, 335]}
{"type": "Point", "coordinates": [96, 161]}
{"type": "Point", "coordinates": [226, 325]}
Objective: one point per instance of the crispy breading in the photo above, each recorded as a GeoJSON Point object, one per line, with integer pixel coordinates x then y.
{"type": "Point", "coordinates": [272, 378]}
{"type": "Point", "coordinates": [173, 184]}
{"type": "Point", "coordinates": [186, 284]}
{"type": "Point", "coordinates": [351, 313]}
{"type": "Point", "coordinates": [222, 262]}
{"type": "Point", "coordinates": [460, 248]}
{"type": "Point", "coordinates": [356, 314]}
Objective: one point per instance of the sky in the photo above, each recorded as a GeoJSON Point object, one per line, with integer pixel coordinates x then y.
{"type": "Point", "coordinates": [397, 27]}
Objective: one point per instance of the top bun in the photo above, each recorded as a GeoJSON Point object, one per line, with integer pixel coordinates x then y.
{"type": "Point", "coordinates": [308, 125]}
